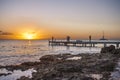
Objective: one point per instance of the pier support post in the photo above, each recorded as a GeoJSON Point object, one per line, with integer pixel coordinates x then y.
{"type": "Point", "coordinates": [117, 45]}
{"type": "Point", "coordinates": [105, 44]}
{"type": "Point", "coordinates": [82, 45]}
{"type": "Point", "coordinates": [90, 44]}
{"type": "Point", "coordinates": [65, 44]}
{"type": "Point", "coordinates": [85, 45]}
{"type": "Point", "coordinates": [49, 42]}
{"type": "Point", "coordinates": [93, 45]}
{"type": "Point", "coordinates": [74, 44]}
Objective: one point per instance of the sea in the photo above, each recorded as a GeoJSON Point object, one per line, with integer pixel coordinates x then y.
{"type": "Point", "coordinates": [14, 52]}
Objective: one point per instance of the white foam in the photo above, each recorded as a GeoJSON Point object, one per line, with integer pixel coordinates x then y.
{"type": "Point", "coordinates": [16, 74]}
{"type": "Point", "coordinates": [116, 74]}
{"type": "Point", "coordinates": [4, 71]}
{"type": "Point", "coordinates": [97, 76]}
{"type": "Point", "coordinates": [74, 58]}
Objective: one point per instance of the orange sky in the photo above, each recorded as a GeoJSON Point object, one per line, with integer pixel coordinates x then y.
{"type": "Point", "coordinates": [43, 19]}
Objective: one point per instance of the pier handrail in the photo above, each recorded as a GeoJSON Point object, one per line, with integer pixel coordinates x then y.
{"type": "Point", "coordinates": [85, 42]}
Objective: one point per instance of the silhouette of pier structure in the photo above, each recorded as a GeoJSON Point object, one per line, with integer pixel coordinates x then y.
{"type": "Point", "coordinates": [83, 43]}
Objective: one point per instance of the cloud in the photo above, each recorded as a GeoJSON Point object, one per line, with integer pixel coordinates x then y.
{"type": "Point", "coordinates": [5, 33]}
{"type": "Point", "coordinates": [0, 32]}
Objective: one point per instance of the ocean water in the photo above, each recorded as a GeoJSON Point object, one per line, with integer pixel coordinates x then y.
{"type": "Point", "coordinates": [14, 52]}
{"type": "Point", "coordinates": [16, 74]}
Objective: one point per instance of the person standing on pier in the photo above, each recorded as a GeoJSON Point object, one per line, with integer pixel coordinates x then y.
{"type": "Point", "coordinates": [52, 39]}
{"type": "Point", "coordinates": [90, 41]}
{"type": "Point", "coordinates": [68, 38]}
{"type": "Point", "coordinates": [90, 38]}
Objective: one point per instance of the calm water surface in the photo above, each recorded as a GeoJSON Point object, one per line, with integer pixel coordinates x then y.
{"type": "Point", "coordinates": [19, 51]}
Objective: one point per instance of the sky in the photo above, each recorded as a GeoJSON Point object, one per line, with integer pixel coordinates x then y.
{"type": "Point", "coordinates": [59, 18]}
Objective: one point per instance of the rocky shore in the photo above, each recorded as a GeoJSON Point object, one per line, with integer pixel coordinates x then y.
{"type": "Point", "coordinates": [97, 66]}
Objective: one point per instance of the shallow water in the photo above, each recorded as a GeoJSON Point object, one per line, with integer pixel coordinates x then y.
{"type": "Point", "coordinates": [116, 74]}
{"type": "Point", "coordinates": [16, 74]}
{"type": "Point", "coordinates": [19, 51]}
{"type": "Point", "coordinates": [74, 58]}
{"type": "Point", "coordinates": [96, 76]}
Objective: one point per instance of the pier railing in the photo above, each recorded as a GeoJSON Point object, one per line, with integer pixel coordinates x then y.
{"type": "Point", "coordinates": [84, 43]}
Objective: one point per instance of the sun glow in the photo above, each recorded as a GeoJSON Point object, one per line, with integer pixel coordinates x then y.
{"type": "Point", "coordinates": [28, 35]}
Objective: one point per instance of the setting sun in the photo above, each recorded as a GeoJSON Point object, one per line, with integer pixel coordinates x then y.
{"type": "Point", "coordinates": [29, 35]}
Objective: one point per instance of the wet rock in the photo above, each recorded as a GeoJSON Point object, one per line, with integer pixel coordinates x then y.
{"type": "Point", "coordinates": [24, 66]}
{"type": "Point", "coordinates": [49, 58]}
{"type": "Point", "coordinates": [116, 51]}
{"type": "Point", "coordinates": [86, 68]}
{"type": "Point", "coordinates": [69, 67]}
{"type": "Point", "coordinates": [23, 78]}
{"type": "Point", "coordinates": [106, 75]}
{"type": "Point", "coordinates": [108, 66]}
{"type": "Point", "coordinates": [108, 49]}
{"type": "Point", "coordinates": [4, 74]}
{"type": "Point", "coordinates": [30, 63]}
{"type": "Point", "coordinates": [87, 78]}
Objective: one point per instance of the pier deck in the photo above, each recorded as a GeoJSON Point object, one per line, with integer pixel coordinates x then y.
{"type": "Point", "coordinates": [84, 43]}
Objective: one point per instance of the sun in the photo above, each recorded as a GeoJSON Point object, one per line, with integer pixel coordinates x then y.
{"type": "Point", "coordinates": [29, 35]}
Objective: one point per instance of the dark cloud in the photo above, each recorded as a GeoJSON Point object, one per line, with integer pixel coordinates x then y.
{"type": "Point", "coordinates": [0, 32]}
{"type": "Point", "coordinates": [5, 33]}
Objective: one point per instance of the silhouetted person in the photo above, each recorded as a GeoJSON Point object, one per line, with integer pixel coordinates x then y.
{"type": "Point", "coordinates": [52, 38]}
{"type": "Point", "coordinates": [90, 38]}
{"type": "Point", "coordinates": [68, 38]}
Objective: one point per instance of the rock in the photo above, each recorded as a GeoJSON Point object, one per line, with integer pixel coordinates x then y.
{"type": "Point", "coordinates": [23, 78]}
{"type": "Point", "coordinates": [53, 67]}
{"type": "Point", "coordinates": [3, 74]}
{"type": "Point", "coordinates": [69, 67]}
{"type": "Point", "coordinates": [116, 51]}
{"type": "Point", "coordinates": [49, 58]}
{"type": "Point", "coordinates": [30, 63]}
{"type": "Point", "coordinates": [80, 78]}
{"type": "Point", "coordinates": [108, 66]}
{"type": "Point", "coordinates": [108, 49]}
{"type": "Point", "coordinates": [87, 78]}
{"type": "Point", "coordinates": [111, 48]}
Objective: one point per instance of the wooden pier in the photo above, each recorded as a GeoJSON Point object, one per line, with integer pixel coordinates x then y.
{"type": "Point", "coordinates": [84, 43]}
